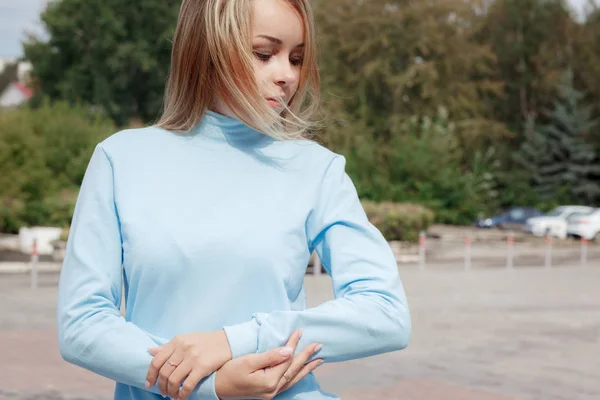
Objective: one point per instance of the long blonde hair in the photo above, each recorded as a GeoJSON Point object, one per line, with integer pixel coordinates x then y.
{"type": "Point", "coordinates": [212, 57]}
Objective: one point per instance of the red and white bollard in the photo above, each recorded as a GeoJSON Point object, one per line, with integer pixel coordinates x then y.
{"type": "Point", "coordinates": [422, 239]}
{"type": "Point", "coordinates": [468, 241]}
{"type": "Point", "coordinates": [511, 250]}
{"type": "Point", "coordinates": [548, 251]}
{"type": "Point", "coordinates": [34, 265]}
{"type": "Point", "coordinates": [584, 248]}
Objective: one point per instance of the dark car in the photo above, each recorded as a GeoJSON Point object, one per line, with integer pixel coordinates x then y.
{"type": "Point", "coordinates": [513, 218]}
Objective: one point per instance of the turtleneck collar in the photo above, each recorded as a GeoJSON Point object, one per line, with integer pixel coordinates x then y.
{"type": "Point", "coordinates": [222, 127]}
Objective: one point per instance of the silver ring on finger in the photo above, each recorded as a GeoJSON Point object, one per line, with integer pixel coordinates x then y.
{"type": "Point", "coordinates": [287, 379]}
{"type": "Point", "coordinates": [172, 364]}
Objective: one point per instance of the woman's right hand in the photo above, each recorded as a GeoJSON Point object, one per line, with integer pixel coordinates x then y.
{"type": "Point", "coordinates": [263, 376]}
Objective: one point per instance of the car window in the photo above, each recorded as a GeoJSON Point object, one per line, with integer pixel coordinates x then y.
{"type": "Point", "coordinates": [517, 214]}
{"type": "Point", "coordinates": [577, 214]}
{"type": "Point", "coordinates": [595, 213]}
{"type": "Point", "coordinates": [556, 212]}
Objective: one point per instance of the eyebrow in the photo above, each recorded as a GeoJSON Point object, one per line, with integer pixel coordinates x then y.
{"type": "Point", "coordinates": [275, 40]}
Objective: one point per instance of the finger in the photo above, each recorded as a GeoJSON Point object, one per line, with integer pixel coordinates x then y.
{"type": "Point", "coordinates": [157, 362]}
{"type": "Point", "coordinates": [307, 369]}
{"type": "Point", "coordinates": [277, 371]}
{"type": "Point", "coordinates": [177, 377]}
{"type": "Point", "coordinates": [294, 338]}
{"type": "Point", "coordinates": [155, 350]}
{"type": "Point", "coordinates": [190, 383]}
{"type": "Point", "coordinates": [298, 362]}
{"type": "Point", "coordinates": [258, 362]}
{"type": "Point", "coordinates": [167, 369]}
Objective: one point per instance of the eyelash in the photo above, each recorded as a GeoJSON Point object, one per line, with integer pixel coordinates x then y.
{"type": "Point", "coordinates": [266, 57]}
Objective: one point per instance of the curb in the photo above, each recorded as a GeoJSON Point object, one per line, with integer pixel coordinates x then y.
{"type": "Point", "coordinates": [25, 267]}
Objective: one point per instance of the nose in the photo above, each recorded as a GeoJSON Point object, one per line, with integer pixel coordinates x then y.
{"type": "Point", "coordinates": [284, 74]}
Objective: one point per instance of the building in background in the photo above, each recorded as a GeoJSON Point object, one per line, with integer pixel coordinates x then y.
{"type": "Point", "coordinates": [23, 68]}
{"type": "Point", "coordinates": [15, 95]}
{"type": "Point", "coordinates": [14, 88]}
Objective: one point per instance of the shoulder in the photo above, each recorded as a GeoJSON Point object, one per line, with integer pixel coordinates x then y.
{"type": "Point", "coordinates": [312, 154]}
{"type": "Point", "coordinates": [129, 140]}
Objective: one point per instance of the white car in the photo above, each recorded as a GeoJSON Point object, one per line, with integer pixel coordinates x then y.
{"type": "Point", "coordinates": [554, 223]}
{"type": "Point", "coordinates": [585, 226]}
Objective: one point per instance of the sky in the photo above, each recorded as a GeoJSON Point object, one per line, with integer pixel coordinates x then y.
{"type": "Point", "coordinates": [19, 16]}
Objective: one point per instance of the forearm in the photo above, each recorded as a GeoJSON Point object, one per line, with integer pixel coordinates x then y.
{"type": "Point", "coordinates": [108, 345]}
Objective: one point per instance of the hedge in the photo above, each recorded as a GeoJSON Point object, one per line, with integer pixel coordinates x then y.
{"type": "Point", "coordinates": [399, 221]}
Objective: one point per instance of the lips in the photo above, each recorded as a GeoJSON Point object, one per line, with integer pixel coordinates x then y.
{"type": "Point", "coordinates": [274, 102]}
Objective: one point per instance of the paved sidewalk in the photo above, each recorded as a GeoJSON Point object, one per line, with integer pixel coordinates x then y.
{"type": "Point", "coordinates": [486, 334]}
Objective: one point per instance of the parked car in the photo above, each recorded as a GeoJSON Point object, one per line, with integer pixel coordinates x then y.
{"type": "Point", "coordinates": [554, 223]}
{"type": "Point", "coordinates": [585, 226]}
{"type": "Point", "coordinates": [513, 218]}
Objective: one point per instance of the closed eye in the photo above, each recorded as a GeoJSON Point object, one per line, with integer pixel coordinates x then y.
{"type": "Point", "coordinates": [262, 56]}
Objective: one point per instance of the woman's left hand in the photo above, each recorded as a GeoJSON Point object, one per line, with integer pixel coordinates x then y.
{"type": "Point", "coordinates": [190, 357]}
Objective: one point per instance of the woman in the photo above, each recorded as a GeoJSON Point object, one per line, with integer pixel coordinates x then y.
{"type": "Point", "coordinates": [208, 220]}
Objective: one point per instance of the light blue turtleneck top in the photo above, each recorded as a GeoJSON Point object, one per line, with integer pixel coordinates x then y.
{"type": "Point", "coordinates": [212, 229]}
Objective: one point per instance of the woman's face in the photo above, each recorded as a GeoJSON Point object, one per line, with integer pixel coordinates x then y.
{"type": "Point", "coordinates": [278, 50]}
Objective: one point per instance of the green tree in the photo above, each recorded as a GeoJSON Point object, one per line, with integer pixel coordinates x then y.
{"type": "Point", "coordinates": [43, 156]}
{"type": "Point", "coordinates": [425, 165]}
{"type": "Point", "coordinates": [8, 75]}
{"type": "Point", "coordinates": [406, 99]}
{"type": "Point", "coordinates": [108, 53]}
{"type": "Point", "coordinates": [533, 44]}
{"type": "Point", "coordinates": [534, 156]}
{"type": "Point", "coordinates": [587, 63]}
{"type": "Point", "coordinates": [421, 163]}
{"type": "Point", "coordinates": [557, 156]}
{"type": "Point", "coordinates": [387, 60]}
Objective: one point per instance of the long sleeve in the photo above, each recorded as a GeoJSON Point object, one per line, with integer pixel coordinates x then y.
{"type": "Point", "coordinates": [91, 331]}
{"type": "Point", "coordinates": [369, 315]}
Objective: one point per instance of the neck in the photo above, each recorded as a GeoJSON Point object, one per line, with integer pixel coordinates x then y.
{"type": "Point", "coordinates": [221, 107]}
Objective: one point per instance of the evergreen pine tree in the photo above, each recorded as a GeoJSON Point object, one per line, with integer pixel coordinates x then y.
{"type": "Point", "coordinates": [575, 165]}
{"type": "Point", "coordinates": [534, 156]}
{"type": "Point", "coordinates": [557, 156]}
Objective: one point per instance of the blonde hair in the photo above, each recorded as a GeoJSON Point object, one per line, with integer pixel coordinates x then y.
{"type": "Point", "coordinates": [212, 57]}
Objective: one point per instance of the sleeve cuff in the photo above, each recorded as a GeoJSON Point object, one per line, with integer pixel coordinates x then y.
{"type": "Point", "coordinates": [243, 338]}
{"type": "Point", "coordinates": [205, 390]}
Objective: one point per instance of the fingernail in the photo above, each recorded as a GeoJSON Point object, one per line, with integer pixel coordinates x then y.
{"type": "Point", "coordinates": [321, 363]}
{"type": "Point", "coordinates": [286, 351]}
{"type": "Point", "coordinates": [300, 331]}
{"type": "Point", "coordinates": [318, 347]}
{"type": "Point", "coordinates": [147, 385]}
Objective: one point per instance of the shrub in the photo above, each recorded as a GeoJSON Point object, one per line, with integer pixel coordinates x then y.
{"type": "Point", "coordinates": [43, 156]}
{"type": "Point", "coordinates": [399, 221]}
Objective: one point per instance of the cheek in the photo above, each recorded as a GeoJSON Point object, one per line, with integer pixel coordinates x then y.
{"type": "Point", "coordinates": [260, 73]}
{"type": "Point", "coordinates": [296, 84]}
